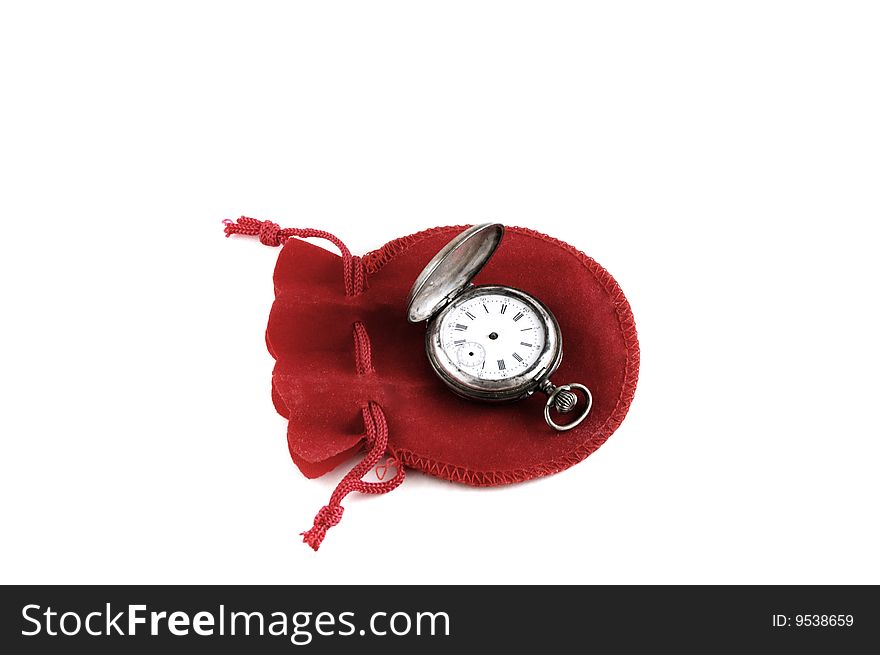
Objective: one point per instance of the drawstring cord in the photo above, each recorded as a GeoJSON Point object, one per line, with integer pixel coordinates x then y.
{"type": "Point", "coordinates": [377, 443]}
{"type": "Point", "coordinates": [375, 424]}
{"type": "Point", "coordinates": [270, 234]}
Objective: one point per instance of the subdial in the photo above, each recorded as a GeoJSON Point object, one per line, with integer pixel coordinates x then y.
{"type": "Point", "coordinates": [471, 355]}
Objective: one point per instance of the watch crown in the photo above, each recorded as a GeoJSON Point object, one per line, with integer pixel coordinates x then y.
{"type": "Point", "coordinates": [565, 401]}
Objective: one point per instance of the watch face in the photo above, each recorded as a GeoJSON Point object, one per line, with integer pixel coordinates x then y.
{"type": "Point", "coordinates": [493, 336]}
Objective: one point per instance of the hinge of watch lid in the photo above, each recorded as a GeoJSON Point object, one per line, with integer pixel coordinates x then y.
{"type": "Point", "coordinates": [443, 304]}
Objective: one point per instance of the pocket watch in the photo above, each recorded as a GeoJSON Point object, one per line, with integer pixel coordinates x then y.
{"type": "Point", "coordinates": [490, 342]}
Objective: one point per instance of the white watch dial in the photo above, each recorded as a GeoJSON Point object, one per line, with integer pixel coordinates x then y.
{"type": "Point", "coordinates": [493, 336]}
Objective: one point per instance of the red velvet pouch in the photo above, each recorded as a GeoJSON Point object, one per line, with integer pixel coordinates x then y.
{"type": "Point", "coordinates": [351, 373]}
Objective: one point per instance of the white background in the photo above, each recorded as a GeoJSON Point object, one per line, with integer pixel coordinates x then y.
{"type": "Point", "coordinates": [720, 159]}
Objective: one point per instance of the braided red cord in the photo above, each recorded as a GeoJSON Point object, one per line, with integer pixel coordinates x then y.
{"type": "Point", "coordinates": [363, 352]}
{"type": "Point", "coordinates": [270, 234]}
{"type": "Point", "coordinates": [377, 441]}
{"type": "Point", "coordinates": [375, 425]}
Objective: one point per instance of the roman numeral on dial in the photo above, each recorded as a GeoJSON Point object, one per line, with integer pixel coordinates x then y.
{"type": "Point", "coordinates": [523, 343]}
{"type": "Point", "coordinates": [517, 357]}
{"type": "Point", "coordinates": [503, 308]}
{"type": "Point", "coordinates": [460, 327]}
{"type": "Point", "coordinates": [518, 316]}
{"type": "Point", "coordinates": [469, 315]}
{"type": "Point", "coordinates": [501, 365]}
{"type": "Point", "coordinates": [458, 342]}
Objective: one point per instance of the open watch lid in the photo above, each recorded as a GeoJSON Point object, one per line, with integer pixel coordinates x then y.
{"type": "Point", "coordinates": [452, 269]}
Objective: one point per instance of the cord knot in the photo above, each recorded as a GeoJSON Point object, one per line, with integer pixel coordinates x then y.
{"type": "Point", "coordinates": [327, 517]}
{"type": "Point", "coordinates": [270, 234]}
